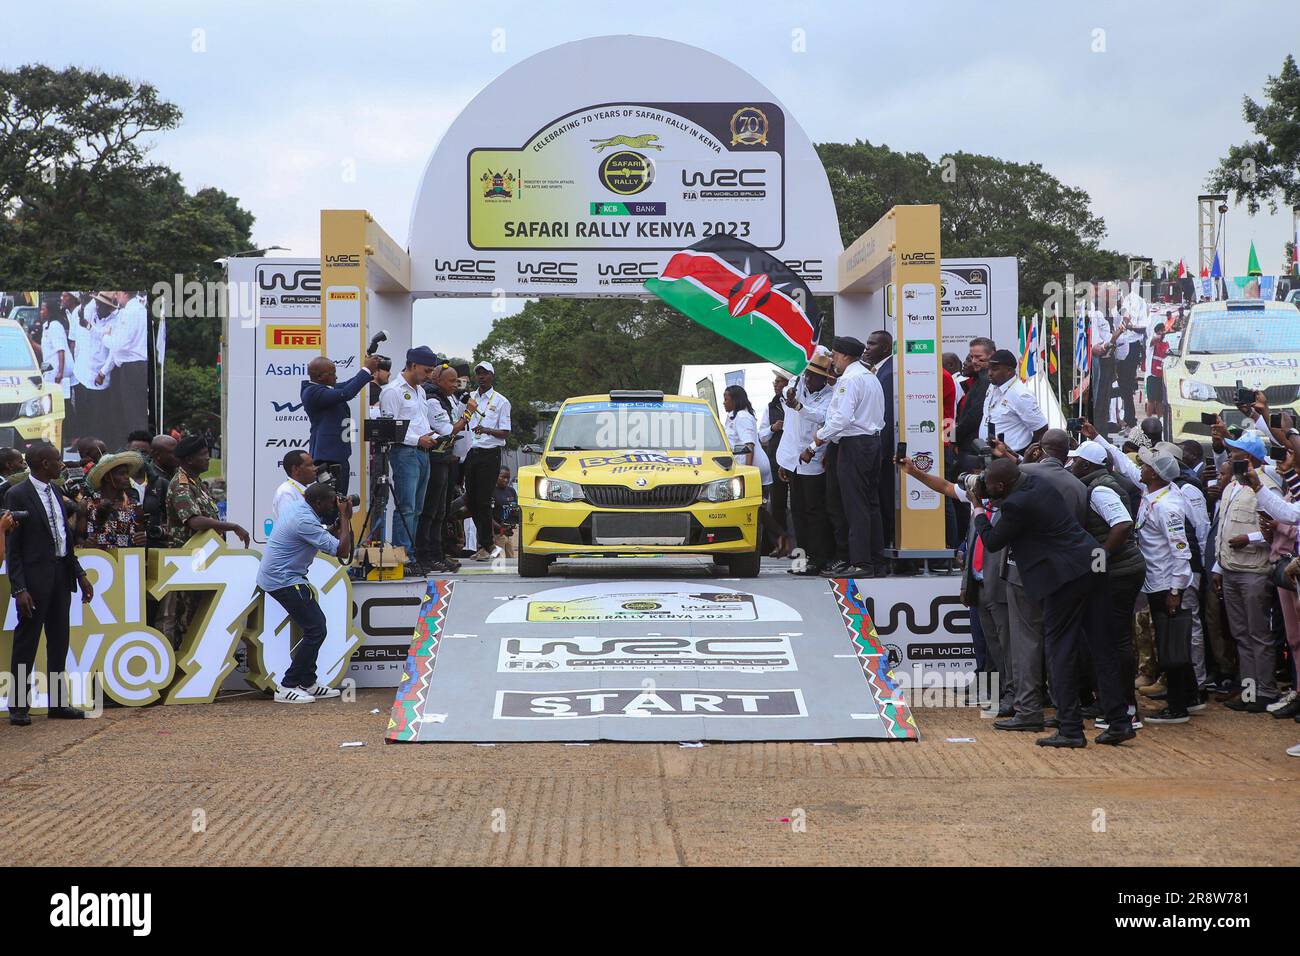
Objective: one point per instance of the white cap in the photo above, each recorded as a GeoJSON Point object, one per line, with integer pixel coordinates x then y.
{"type": "Point", "coordinates": [485, 365]}
{"type": "Point", "coordinates": [1090, 451]}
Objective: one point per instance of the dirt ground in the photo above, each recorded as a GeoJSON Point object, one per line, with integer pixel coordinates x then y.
{"type": "Point", "coordinates": [249, 782]}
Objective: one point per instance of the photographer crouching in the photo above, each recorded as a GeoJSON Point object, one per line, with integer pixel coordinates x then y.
{"type": "Point", "coordinates": [299, 532]}
{"type": "Point", "coordinates": [1056, 558]}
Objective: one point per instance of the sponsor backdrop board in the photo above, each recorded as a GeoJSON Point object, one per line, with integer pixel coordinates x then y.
{"type": "Point", "coordinates": [977, 297]}
{"type": "Point", "coordinates": [504, 659]}
{"type": "Point", "coordinates": [273, 332]}
{"type": "Point", "coordinates": [543, 187]}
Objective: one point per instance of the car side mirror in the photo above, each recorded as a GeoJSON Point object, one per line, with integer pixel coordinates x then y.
{"type": "Point", "coordinates": [531, 449]}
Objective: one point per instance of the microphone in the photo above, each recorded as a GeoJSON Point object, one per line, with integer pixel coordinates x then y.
{"type": "Point", "coordinates": [374, 342]}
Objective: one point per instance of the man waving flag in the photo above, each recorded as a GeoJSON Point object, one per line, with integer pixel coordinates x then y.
{"type": "Point", "coordinates": [746, 295]}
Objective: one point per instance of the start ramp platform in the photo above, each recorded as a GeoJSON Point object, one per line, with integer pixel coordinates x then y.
{"type": "Point", "coordinates": [501, 658]}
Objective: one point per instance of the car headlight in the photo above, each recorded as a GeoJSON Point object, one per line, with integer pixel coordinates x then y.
{"type": "Point", "coordinates": [35, 407]}
{"type": "Point", "coordinates": [555, 489]}
{"type": "Point", "coordinates": [1196, 391]}
{"type": "Point", "coordinates": [725, 489]}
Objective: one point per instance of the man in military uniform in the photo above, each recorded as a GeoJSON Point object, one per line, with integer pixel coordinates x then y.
{"type": "Point", "coordinates": [192, 510]}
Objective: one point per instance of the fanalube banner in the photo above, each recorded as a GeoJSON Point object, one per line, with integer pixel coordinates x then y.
{"type": "Point", "coordinates": [746, 295]}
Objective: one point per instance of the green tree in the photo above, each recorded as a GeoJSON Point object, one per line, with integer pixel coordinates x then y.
{"type": "Point", "coordinates": [555, 348]}
{"type": "Point", "coordinates": [990, 207]}
{"type": "Point", "coordinates": [81, 205]}
{"type": "Point", "coordinates": [1267, 170]}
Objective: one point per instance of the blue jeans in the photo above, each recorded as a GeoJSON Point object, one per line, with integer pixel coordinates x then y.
{"type": "Point", "coordinates": [410, 476]}
{"type": "Point", "coordinates": [299, 602]}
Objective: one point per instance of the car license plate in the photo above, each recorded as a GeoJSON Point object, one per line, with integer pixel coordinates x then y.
{"type": "Point", "coordinates": [640, 529]}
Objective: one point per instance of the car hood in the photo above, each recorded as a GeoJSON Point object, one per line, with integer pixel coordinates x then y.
{"type": "Point", "coordinates": [639, 468]}
{"type": "Point", "coordinates": [1251, 368]}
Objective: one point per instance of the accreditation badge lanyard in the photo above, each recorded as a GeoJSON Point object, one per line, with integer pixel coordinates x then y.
{"type": "Point", "coordinates": [491, 396]}
{"type": "Point", "coordinates": [1150, 506]}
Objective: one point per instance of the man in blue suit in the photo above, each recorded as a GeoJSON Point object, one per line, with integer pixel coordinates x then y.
{"type": "Point", "coordinates": [326, 404]}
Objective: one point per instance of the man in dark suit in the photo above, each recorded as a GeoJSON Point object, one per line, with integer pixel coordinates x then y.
{"type": "Point", "coordinates": [879, 359]}
{"type": "Point", "coordinates": [43, 573]}
{"type": "Point", "coordinates": [1056, 559]}
{"type": "Point", "coordinates": [326, 404]}
{"type": "Point", "coordinates": [1026, 613]}
{"type": "Point", "coordinates": [967, 427]}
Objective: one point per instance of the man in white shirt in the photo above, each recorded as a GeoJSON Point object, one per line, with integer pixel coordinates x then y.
{"type": "Point", "coordinates": [1103, 367]}
{"type": "Point", "coordinates": [448, 420]}
{"type": "Point", "coordinates": [490, 425]}
{"type": "Point", "coordinates": [1011, 412]}
{"type": "Point", "coordinates": [125, 341]}
{"type": "Point", "coordinates": [1162, 536]}
{"type": "Point", "coordinates": [1128, 337]}
{"type": "Point", "coordinates": [855, 417]}
{"type": "Point", "coordinates": [301, 472]}
{"type": "Point", "coordinates": [805, 411]}
{"type": "Point", "coordinates": [403, 398]}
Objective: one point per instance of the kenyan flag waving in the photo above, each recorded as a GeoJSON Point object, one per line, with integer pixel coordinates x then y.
{"type": "Point", "coordinates": [743, 294]}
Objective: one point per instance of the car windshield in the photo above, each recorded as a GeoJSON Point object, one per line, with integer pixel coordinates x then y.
{"type": "Point", "coordinates": [648, 426]}
{"type": "Point", "coordinates": [1218, 333]}
{"type": "Point", "coordinates": [15, 353]}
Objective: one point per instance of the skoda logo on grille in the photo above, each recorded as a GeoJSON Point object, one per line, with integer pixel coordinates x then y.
{"type": "Point", "coordinates": [640, 482]}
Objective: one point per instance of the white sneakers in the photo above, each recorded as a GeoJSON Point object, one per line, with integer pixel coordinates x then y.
{"type": "Point", "coordinates": [303, 695]}
{"type": "Point", "coordinates": [292, 695]}
{"type": "Point", "coordinates": [1281, 702]}
{"type": "Point", "coordinates": [1294, 751]}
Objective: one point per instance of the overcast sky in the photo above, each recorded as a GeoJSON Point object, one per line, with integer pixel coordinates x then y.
{"type": "Point", "coordinates": [288, 97]}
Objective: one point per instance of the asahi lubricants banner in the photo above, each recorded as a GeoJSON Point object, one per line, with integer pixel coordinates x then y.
{"type": "Point", "coordinates": [632, 177]}
{"type": "Point", "coordinates": [273, 332]}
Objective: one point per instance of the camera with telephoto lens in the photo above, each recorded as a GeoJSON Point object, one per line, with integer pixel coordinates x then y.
{"type": "Point", "coordinates": [74, 486]}
{"type": "Point", "coordinates": [972, 482]}
{"type": "Point", "coordinates": [325, 475]}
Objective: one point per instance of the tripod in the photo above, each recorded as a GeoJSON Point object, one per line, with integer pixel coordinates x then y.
{"type": "Point", "coordinates": [380, 489]}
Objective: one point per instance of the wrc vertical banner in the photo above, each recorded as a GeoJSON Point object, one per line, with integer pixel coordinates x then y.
{"type": "Point", "coordinates": [343, 269]}
{"type": "Point", "coordinates": [919, 385]}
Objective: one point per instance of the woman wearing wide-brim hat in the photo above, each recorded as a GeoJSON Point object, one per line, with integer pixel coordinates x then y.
{"type": "Point", "coordinates": [113, 518]}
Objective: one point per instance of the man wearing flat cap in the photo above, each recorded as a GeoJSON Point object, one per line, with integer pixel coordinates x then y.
{"type": "Point", "coordinates": [855, 417]}
{"type": "Point", "coordinates": [1010, 408]}
{"type": "Point", "coordinates": [403, 398]}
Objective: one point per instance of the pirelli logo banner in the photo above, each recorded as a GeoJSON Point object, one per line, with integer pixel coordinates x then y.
{"type": "Point", "coordinates": [293, 337]}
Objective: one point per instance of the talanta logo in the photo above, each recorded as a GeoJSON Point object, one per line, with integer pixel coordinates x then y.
{"type": "Point", "coordinates": [293, 336]}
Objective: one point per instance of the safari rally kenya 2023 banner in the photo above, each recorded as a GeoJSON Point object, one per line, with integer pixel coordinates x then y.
{"type": "Point", "coordinates": [651, 176]}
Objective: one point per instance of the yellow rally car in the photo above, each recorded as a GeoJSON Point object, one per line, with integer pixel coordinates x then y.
{"type": "Point", "coordinates": [1247, 343]}
{"type": "Point", "coordinates": [31, 409]}
{"type": "Point", "coordinates": [638, 473]}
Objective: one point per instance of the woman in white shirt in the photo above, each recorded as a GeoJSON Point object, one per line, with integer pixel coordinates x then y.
{"type": "Point", "coordinates": [54, 346]}
{"type": "Point", "coordinates": [741, 428]}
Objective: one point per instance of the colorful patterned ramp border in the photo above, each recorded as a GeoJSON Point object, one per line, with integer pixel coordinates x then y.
{"type": "Point", "coordinates": [894, 712]}
{"type": "Point", "coordinates": [408, 705]}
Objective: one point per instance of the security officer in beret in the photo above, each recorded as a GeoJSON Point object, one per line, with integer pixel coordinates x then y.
{"type": "Point", "coordinates": [855, 418]}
